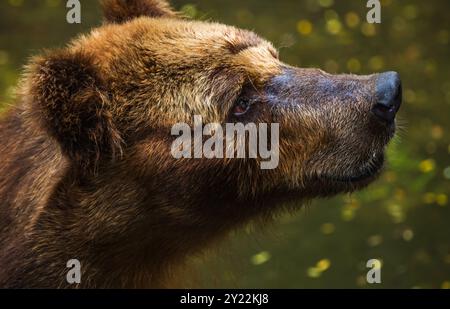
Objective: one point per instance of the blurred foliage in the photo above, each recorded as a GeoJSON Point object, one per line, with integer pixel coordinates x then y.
{"type": "Point", "coordinates": [402, 219]}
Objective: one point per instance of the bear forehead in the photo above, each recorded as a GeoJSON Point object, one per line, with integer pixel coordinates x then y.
{"type": "Point", "coordinates": [178, 40]}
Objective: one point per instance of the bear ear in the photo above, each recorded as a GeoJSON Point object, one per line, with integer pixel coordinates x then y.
{"type": "Point", "coordinates": [120, 11]}
{"type": "Point", "coordinates": [68, 98]}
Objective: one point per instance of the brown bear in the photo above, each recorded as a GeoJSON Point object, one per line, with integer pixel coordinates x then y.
{"type": "Point", "coordinates": [87, 173]}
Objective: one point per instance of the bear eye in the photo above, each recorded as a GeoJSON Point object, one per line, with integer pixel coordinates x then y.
{"type": "Point", "coordinates": [241, 107]}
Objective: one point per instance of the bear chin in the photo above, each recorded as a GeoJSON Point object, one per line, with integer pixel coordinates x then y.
{"type": "Point", "coordinates": [331, 184]}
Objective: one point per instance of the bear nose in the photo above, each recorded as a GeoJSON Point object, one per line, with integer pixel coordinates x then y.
{"type": "Point", "coordinates": [388, 95]}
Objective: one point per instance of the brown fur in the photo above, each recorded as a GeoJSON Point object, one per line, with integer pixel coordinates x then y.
{"type": "Point", "coordinates": [87, 172]}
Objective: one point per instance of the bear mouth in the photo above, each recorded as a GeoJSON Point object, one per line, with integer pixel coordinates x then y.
{"type": "Point", "coordinates": [369, 170]}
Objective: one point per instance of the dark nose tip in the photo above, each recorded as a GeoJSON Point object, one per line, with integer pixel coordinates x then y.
{"type": "Point", "coordinates": [389, 96]}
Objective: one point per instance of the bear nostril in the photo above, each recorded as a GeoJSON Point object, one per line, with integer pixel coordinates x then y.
{"type": "Point", "coordinates": [389, 96]}
{"type": "Point", "coordinates": [383, 112]}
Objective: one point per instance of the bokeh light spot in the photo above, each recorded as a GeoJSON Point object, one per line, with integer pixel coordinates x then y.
{"type": "Point", "coordinates": [396, 212]}
{"type": "Point", "coordinates": [330, 14]}
{"type": "Point", "coordinates": [390, 176]}
{"type": "Point", "coordinates": [352, 19]}
{"type": "Point", "coordinates": [429, 198]}
{"type": "Point", "coordinates": [445, 285]}
{"type": "Point", "coordinates": [326, 3]}
{"type": "Point", "coordinates": [400, 194]}
{"type": "Point", "coordinates": [400, 25]}
{"type": "Point", "coordinates": [376, 63]}
{"type": "Point", "coordinates": [327, 228]}
{"type": "Point", "coordinates": [353, 65]}
{"type": "Point", "coordinates": [412, 53]}
{"type": "Point", "coordinates": [446, 172]}
{"type": "Point", "coordinates": [334, 26]}
{"type": "Point", "coordinates": [189, 10]}
{"type": "Point", "coordinates": [442, 199]}
{"type": "Point", "coordinates": [408, 235]}
{"type": "Point", "coordinates": [427, 165]}
{"type": "Point", "coordinates": [437, 132]}
{"type": "Point", "coordinates": [331, 66]}
{"type": "Point", "coordinates": [375, 240]}
{"type": "Point", "coordinates": [304, 27]}
{"type": "Point", "coordinates": [323, 264]}
{"type": "Point", "coordinates": [313, 272]}
{"type": "Point", "coordinates": [409, 95]}
{"type": "Point", "coordinates": [260, 258]}
{"type": "Point", "coordinates": [368, 29]}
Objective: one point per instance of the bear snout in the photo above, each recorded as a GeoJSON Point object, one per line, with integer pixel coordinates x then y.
{"type": "Point", "coordinates": [389, 96]}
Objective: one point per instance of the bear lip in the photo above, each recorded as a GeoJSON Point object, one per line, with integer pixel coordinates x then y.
{"type": "Point", "coordinates": [369, 170]}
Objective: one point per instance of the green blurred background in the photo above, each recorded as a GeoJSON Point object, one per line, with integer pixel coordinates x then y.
{"type": "Point", "coordinates": [402, 219]}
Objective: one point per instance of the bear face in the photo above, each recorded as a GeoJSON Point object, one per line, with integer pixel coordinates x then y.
{"type": "Point", "coordinates": [109, 101]}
